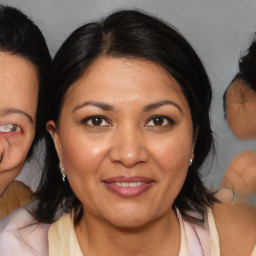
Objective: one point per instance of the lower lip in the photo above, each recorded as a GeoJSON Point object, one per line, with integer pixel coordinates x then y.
{"type": "Point", "coordinates": [128, 192]}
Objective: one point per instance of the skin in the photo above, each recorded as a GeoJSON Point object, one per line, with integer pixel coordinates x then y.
{"type": "Point", "coordinates": [235, 216]}
{"type": "Point", "coordinates": [19, 87]}
{"type": "Point", "coordinates": [127, 142]}
{"type": "Point", "coordinates": [240, 175]}
{"type": "Point", "coordinates": [241, 109]}
{"type": "Point", "coordinates": [236, 224]}
{"type": "Point", "coordinates": [239, 181]}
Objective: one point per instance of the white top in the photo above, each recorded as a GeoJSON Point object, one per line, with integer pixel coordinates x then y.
{"type": "Point", "coordinates": [195, 240]}
{"type": "Point", "coordinates": [22, 235]}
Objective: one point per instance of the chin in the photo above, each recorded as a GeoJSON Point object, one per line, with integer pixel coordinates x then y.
{"type": "Point", "coordinates": [130, 223]}
{"type": "Point", "coordinates": [130, 219]}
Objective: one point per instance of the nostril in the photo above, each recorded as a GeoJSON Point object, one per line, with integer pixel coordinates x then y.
{"type": "Point", "coordinates": [129, 159]}
{"type": "Point", "coordinates": [128, 149]}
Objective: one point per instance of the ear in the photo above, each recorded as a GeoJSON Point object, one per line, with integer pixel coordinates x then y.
{"type": "Point", "coordinates": [51, 127]}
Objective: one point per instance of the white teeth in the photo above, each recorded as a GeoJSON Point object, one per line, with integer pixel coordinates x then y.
{"type": "Point", "coordinates": [128, 184]}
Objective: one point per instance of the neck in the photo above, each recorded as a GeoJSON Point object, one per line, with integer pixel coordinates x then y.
{"type": "Point", "coordinates": [161, 237]}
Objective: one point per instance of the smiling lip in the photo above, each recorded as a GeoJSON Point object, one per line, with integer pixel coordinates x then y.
{"type": "Point", "coordinates": [128, 187]}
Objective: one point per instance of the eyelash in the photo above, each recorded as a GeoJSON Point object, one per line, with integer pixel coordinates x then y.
{"type": "Point", "coordinates": [91, 118]}
{"type": "Point", "coordinates": [167, 121]}
{"type": "Point", "coordinates": [4, 127]}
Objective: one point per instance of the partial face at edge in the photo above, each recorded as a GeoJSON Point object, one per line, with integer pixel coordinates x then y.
{"type": "Point", "coordinates": [18, 104]}
{"type": "Point", "coordinates": [125, 138]}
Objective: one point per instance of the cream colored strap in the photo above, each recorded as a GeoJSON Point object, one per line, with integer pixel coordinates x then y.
{"type": "Point", "coordinates": [254, 251]}
{"type": "Point", "coordinates": [183, 244]}
{"type": "Point", "coordinates": [215, 244]}
{"type": "Point", "coordinates": [62, 238]}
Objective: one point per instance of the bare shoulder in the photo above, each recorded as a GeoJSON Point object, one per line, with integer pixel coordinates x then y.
{"type": "Point", "coordinates": [236, 225]}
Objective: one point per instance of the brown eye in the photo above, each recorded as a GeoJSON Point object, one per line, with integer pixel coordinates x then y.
{"type": "Point", "coordinates": [160, 121]}
{"type": "Point", "coordinates": [95, 121]}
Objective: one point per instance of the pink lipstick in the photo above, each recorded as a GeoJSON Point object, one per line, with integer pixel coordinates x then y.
{"type": "Point", "coordinates": [128, 187]}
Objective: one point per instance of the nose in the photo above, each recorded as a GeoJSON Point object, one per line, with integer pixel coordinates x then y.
{"type": "Point", "coordinates": [129, 148]}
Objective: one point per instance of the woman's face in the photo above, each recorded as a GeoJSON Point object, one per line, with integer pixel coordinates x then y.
{"type": "Point", "coordinates": [125, 138]}
{"type": "Point", "coordinates": [19, 87]}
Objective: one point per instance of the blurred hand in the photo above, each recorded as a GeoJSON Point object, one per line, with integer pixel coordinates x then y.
{"type": "Point", "coordinates": [11, 162]}
{"type": "Point", "coordinates": [239, 178]}
{"type": "Point", "coordinates": [4, 152]}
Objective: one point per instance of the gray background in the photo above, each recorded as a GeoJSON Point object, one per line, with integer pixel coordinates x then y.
{"type": "Point", "coordinates": [220, 31]}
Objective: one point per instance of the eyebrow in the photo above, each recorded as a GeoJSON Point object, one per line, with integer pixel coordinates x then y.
{"type": "Point", "coordinates": [19, 112]}
{"type": "Point", "coordinates": [160, 104]}
{"type": "Point", "coordinates": [147, 108]}
{"type": "Point", "coordinates": [103, 106]}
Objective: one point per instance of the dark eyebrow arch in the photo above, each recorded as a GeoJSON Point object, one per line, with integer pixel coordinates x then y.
{"type": "Point", "coordinates": [20, 112]}
{"type": "Point", "coordinates": [101, 105]}
{"type": "Point", "coordinates": [160, 104]}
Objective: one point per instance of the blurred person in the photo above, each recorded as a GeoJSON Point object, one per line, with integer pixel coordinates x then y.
{"type": "Point", "coordinates": [24, 67]}
{"type": "Point", "coordinates": [240, 97]}
{"type": "Point", "coordinates": [240, 107]}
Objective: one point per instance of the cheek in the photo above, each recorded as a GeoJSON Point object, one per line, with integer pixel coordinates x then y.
{"type": "Point", "coordinates": [81, 154]}
{"type": "Point", "coordinates": [82, 158]}
{"type": "Point", "coordinates": [172, 158]}
{"type": "Point", "coordinates": [172, 154]}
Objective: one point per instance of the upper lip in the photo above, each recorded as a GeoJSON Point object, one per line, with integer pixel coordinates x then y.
{"type": "Point", "coordinates": [128, 179]}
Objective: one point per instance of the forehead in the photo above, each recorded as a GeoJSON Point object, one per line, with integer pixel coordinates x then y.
{"type": "Point", "coordinates": [122, 79]}
{"type": "Point", "coordinates": [18, 81]}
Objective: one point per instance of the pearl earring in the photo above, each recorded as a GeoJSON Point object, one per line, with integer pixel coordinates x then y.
{"type": "Point", "coordinates": [62, 169]}
{"type": "Point", "coordinates": [191, 161]}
